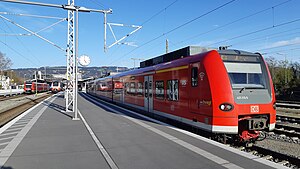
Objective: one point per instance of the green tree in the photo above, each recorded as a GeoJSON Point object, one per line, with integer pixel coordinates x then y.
{"type": "Point", "coordinates": [285, 76]}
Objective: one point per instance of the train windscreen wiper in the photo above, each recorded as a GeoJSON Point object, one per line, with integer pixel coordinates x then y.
{"type": "Point", "coordinates": [256, 87]}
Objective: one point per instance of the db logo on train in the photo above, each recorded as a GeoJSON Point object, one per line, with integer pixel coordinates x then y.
{"type": "Point", "coordinates": [254, 109]}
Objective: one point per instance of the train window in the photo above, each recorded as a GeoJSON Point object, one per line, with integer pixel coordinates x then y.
{"type": "Point", "coordinates": [140, 89]}
{"type": "Point", "coordinates": [132, 88]}
{"type": "Point", "coordinates": [245, 75]}
{"type": "Point", "coordinates": [159, 90]}
{"type": "Point", "coordinates": [194, 76]}
{"type": "Point", "coordinates": [172, 90]}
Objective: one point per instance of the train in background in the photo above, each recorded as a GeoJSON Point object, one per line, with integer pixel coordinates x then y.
{"type": "Point", "coordinates": [56, 86]}
{"type": "Point", "coordinates": [35, 86]}
{"type": "Point", "coordinates": [224, 92]}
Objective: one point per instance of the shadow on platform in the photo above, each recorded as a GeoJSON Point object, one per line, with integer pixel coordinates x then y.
{"type": "Point", "coordinates": [58, 108]}
{"type": "Point", "coordinates": [4, 167]}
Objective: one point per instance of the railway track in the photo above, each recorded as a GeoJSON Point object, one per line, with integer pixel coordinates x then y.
{"type": "Point", "coordinates": [10, 113]}
{"type": "Point", "coordinates": [277, 157]}
{"type": "Point", "coordinates": [288, 104]}
{"type": "Point", "coordinates": [3, 98]}
{"type": "Point", "coordinates": [288, 130]}
{"type": "Point", "coordinates": [282, 144]}
{"type": "Point", "coordinates": [288, 118]}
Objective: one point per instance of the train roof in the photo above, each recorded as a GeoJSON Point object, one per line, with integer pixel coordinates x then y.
{"type": "Point", "coordinates": [193, 53]}
{"type": "Point", "coordinates": [177, 54]}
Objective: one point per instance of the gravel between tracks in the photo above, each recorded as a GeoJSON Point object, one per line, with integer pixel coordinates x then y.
{"type": "Point", "coordinates": [280, 146]}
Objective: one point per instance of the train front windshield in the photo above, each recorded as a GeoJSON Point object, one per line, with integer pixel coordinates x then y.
{"type": "Point", "coordinates": [249, 78]}
{"type": "Point", "coordinates": [55, 83]}
{"type": "Point", "coordinates": [28, 84]}
{"type": "Point", "coordinates": [245, 75]}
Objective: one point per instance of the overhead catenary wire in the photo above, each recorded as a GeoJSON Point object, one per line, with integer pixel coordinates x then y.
{"type": "Point", "coordinates": [159, 12]}
{"type": "Point", "coordinates": [256, 31]}
{"type": "Point", "coordinates": [235, 21]}
{"type": "Point", "coordinates": [29, 51]}
{"type": "Point", "coordinates": [98, 3]}
{"type": "Point", "coordinates": [146, 21]}
{"type": "Point", "coordinates": [296, 43]}
{"type": "Point", "coordinates": [270, 36]}
{"type": "Point", "coordinates": [178, 27]}
{"type": "Point", "coordinates": [284, 50]}
{"type": "Point", "coordinates": [33, 33]}
{"type": "Point", "coordinates": [30, 15]}
{"type": "Point", "coordinates": [29, 61]}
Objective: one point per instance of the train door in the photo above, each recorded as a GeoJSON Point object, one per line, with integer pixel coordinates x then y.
{"type": "Point", "coordinates": [122, 91]}
{"type": "Point", "coordinates": [148, 96]}
{"type": "Point", "coordinates": [194, 95]}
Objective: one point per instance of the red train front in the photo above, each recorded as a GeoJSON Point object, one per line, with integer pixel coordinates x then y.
{"type": "Point", "coordinates": [243, 99]}
{"type": "Point", "coordinates": [27, 87]}
{"type": "Point", "coordinates": [56, 87]}
{"type": "Point", "coordinates": [224, 92]}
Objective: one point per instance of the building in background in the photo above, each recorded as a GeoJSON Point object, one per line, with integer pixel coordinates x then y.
{"type": "Point", "coordinates": [4, 82]}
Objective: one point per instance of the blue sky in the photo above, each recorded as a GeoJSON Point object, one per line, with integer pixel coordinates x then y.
{"type": "Point", "coordinates": [271, 27]}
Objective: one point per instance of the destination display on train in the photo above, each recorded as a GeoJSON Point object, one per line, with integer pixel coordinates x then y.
{"type": "Point", "coordinates": [240, 58]}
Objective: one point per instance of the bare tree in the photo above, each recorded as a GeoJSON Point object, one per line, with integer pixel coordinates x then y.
{"type": "Point", "coordinates": [5, 62]}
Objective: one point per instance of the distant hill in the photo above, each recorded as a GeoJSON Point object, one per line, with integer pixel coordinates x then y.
{"type": "Point", "coordinates": [52, 72]}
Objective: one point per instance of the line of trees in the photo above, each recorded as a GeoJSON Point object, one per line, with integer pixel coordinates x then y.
{"type": "Point", "coordinates": [286, 78]}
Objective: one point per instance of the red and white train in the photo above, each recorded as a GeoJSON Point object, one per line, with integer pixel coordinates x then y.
{"type": "Point", "coordinates": [221, 91]}
{"type": "Point", "coordinates": [56, 86]}
{"type": "Point", "coordinates": [33, 85]}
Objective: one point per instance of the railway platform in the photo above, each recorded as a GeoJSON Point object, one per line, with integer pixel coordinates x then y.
{"type": "Point", "coordinates": [107, 136]}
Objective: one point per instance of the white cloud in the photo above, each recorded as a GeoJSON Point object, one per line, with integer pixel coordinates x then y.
{"type": "Point", "coordinates": [11, 9]}
{"type": "Point", "coordinates": [285, 43]}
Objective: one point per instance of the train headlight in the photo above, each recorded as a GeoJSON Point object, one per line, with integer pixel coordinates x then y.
{"type": "Point", "coordinates": [226, 107]}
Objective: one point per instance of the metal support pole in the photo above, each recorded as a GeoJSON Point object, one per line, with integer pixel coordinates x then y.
{"type": "Point", "coordinates": [105, 48]}
{"type": "Point", "coordinates": [76, 70]}
{"type": "Point", "coordinates": [70, 60]}
{"type": "Point", "coordinates": [167, 46]}
{"type": "Point", "coordinates": [72, 51]}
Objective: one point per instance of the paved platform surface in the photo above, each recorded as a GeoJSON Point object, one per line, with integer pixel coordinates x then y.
{"type": "Point", "coordinates": [109, 137]}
